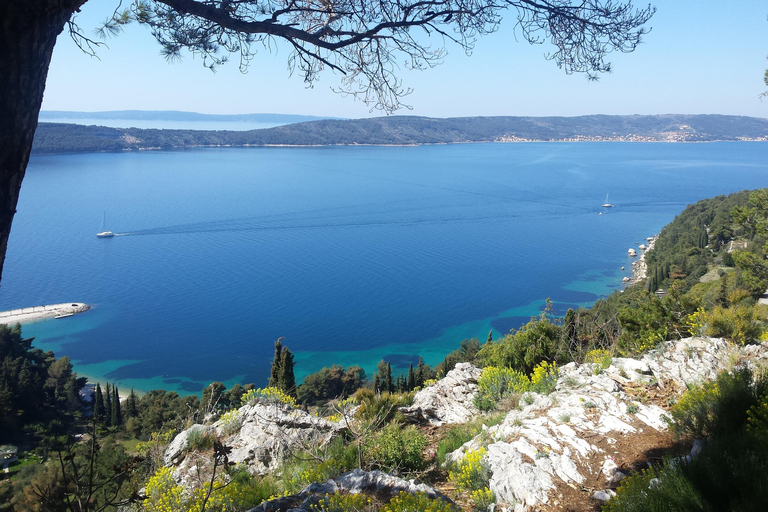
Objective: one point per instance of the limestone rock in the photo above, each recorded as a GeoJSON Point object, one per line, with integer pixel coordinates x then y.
{"type": "Point", "coordinates": [447, 401]}
{"type": "Point", "coordinates": [268, 432]}
{"type": "Point", "coordinates": [177, 449]}
{"type": "Point", "coordinates": [568, 437]}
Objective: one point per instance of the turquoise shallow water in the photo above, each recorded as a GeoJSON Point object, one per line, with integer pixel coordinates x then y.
{"type": "Point", "coordinates": [350, 253]}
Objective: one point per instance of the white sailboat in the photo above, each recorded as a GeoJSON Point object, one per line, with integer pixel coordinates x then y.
{"type": "Point", "coordinates": [607, 204]}
{"type": "Point", "coordinates": [104, 233]}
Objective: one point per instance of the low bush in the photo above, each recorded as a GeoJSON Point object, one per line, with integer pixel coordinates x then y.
{"type": "Point", "coordinates": [421, 502]}
{"type": "Point", "coordinates": [460, 434]}
{"type": "Point", "coordinates": [396, 449]}
{"type": "Point", "coordinates": [268, 396]}
{"type": "Point", "coordinates": [741, 323]}
{"type": "Point", "coordinates": [496, 383]}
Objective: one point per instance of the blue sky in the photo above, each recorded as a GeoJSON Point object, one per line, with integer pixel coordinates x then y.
{"type": "Point", "coordinates": [701, 57]}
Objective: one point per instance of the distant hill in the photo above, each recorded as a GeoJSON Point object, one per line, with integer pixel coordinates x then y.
{"type": "Point", "coordinates": [410, 130]}
{"type": "Point", "coordinates": [176, 115]}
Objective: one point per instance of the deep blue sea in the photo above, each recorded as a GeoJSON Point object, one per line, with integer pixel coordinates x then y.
{"type": "Point", "coordinates": [352, 254]}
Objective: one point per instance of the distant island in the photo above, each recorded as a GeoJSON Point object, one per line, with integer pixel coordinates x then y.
{"type": "Point", "coordinates": [177, 115]}
{"type": "Point", "coordinates": [411, 130]}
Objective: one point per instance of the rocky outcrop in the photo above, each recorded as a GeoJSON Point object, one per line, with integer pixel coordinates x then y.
{"type": "Point", "coordinates": [267, 433]}
{"type": "Point", "coordinates": [596, 421]}
{"type": "Point", "coordinates": [447, 401]}
{"type": "Point", "coordinates": [375, 484]}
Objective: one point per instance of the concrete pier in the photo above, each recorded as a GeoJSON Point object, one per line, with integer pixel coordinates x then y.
{"type": "Point", "coordinates": [34, 313]}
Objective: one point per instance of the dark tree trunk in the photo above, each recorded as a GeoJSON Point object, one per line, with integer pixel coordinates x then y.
{"type": "Point", "coordinates": [28, 31]}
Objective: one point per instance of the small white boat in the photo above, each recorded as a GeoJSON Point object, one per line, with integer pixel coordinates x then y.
{"type": "Point", "coordinates": [64, 315]}
{"type": "Point", "coordinates": [607, 204]}
{"type": "Point", "coordinates": [104, 233]}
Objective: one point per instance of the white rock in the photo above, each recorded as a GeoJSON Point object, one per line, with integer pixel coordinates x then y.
{"type": "Point", "coordinates": [450, 400]}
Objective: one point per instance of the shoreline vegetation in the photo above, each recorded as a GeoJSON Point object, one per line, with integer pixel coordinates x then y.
{"type": "Point", "coordinates": [54, 138]}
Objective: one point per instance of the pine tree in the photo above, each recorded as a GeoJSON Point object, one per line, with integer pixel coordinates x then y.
{"type": "Point", "coordinates": [287, 380]}
{"type": "Point", "coordinates": [274, 373]}
{"type": "Point", "coordinates": [108, 406]}
{"type": "Point", "coordinates": [411, 378]}
{"type": "Point", "coordinates": [117, 414]}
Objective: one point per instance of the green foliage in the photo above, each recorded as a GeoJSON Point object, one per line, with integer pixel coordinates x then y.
{"type": "Point", "coordinates": [268, 396]}
{"type": "Point", "coordinates": [329, 462]}
{"type": "Point", "coordinates": [471, 473]}
{"type": "Point", "coordinates": [544, 378]}
{"type": "Point", "coordinates": [460, 434]}
{"type": "Point", "coordinates": [396, 449]}
{"type": "Point", "coordinates": [236, 492]}
{"type": "Point", "coordinates": [537, 340]}
{"type": "Point", "coordinates": [382, 407]}
{"type": "Point", "coordinates": [338, 502]}
{"type": "Point", "coordinates": [741, 323]}
{"type": "Point", "coordinates": [281, 374]}
{"type": "Point", "coordinates": [600, 359]}
{"type": "Point", "coordinates": [200, 440]}
{"type": "Point", "coordinates": [421, 502]}
{"type": "Point", "coordinates": [231, 421]}
{"type": "Point", "coordinates": [466, 353]}
{"type": "Point", "coordinates": [731, 471]}
{"type": "Point", "coordinates": [34, 386]}
{"type": "Point", "coordinates": [496, 383]}
{"type": "Point", "coordinates": [330, 383]}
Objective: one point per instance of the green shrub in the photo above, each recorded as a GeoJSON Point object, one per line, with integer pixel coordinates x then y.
{"type": "Point", "coordinates": [383, 407]}
{"type": "Point", "coordinates": [740, 323]}
{"type": "Point", "coordinates": [231, 421]}
{"type": "Point", "coordinates": [496, 383]}
{"type": "Point", "coordinates": [421, 502]}
{"type": "Point", "coordinates": [471, 473]}
{"type": "Point", "coordinates": [544, 377]}
{"type": "Point", "coordinates": [460, 434]}
{"type": "Point", "coordinates": [600, 359]}
{"type": "Point", "coordinates": [720, 407]}
{"type": "Point", "coordinates": [338, 502]}
{"type": "Point", "coordinates": [396, 449]}
{"type": "Point", "coordinates": [267, 395]}
{"type": "Point", "coordinates": [319, 466]}
{"type": "Point", "coordinates": [200, 440]}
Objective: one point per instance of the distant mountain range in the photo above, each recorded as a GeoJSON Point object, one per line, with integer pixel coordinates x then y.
{"type": "Point", "coordinates": [410, 130]}
{"type": "Point", "coordinates": [176, 115]}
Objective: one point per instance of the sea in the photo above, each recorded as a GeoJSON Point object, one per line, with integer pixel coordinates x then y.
{"type": "Point", "coordinates": [351, 255]}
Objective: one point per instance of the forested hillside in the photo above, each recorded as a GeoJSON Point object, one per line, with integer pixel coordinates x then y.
{"type": "Point", "coordinates": [408, 130]}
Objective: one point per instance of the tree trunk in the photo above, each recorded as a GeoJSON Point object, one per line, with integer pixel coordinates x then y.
{"type": "Point", "coordinates": [28, 31]}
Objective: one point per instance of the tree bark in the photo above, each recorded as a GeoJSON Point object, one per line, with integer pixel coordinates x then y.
{"type": "Point", "coordinates": [28, 31]}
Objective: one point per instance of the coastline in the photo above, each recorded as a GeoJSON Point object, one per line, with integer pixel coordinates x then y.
{"type": "Point", "coordinates": [35, 313]}
{"type": "Point", "coordinates": [640, 267]}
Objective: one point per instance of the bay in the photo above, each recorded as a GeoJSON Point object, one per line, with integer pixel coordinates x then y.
{"type": "Point", "coordinates": [352, 254]}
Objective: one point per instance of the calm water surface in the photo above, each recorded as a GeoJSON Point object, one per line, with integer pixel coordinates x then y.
{"type": "Point", "coordinates": [351, 253]}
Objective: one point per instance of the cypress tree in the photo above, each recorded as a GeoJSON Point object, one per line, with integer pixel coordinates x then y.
{"type": "Point", "coordinates": [98, 404]}
{"type": "Point", "coordinates": [419, 377]}
{"type": "Point", "coordinates": [388, 379]}
{"type": "Point", "coordinates": [131, 407]}
{"type": "Point", "coordinates": [117, 414]}
{"type": "Point", "coordinates": [287, 380]}
{"type": "Point", "coordinates": [490, 336]}
{"type": "Point", "coordinates": [274, 373]}
{"type": "Point", "coordinates": [108, 406]}
{"type": "Point", "coordinates": [411, 378]}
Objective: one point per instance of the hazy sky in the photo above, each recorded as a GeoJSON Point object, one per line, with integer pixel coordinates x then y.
{"type": "Point", "coordinates": [701, 57]}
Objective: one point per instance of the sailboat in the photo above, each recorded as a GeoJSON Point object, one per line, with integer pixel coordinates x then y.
{"type": "Point", "coordinates": [607, 204]}
{"type": "Point", "coordinates": [104, 233]}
